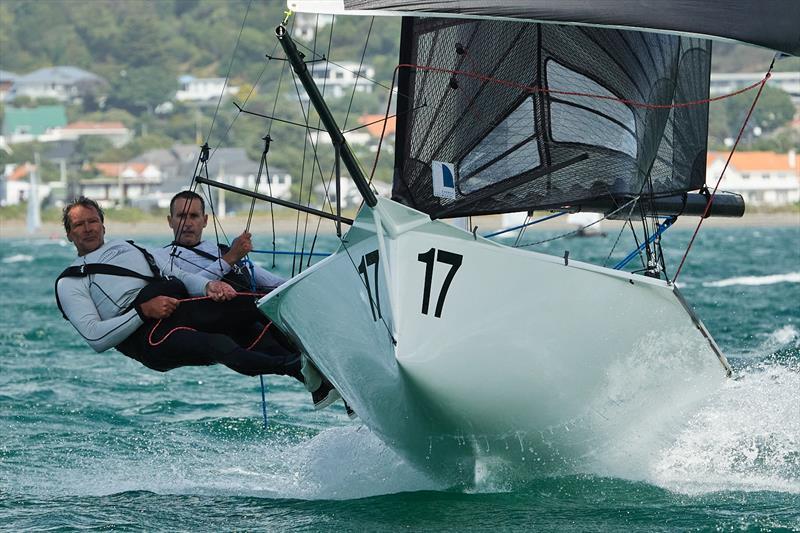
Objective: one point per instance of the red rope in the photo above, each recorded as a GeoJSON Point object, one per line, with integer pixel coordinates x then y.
{"type": "Point", "coordinates": [186, 328]}
{"type": "Point", "coordinates": [719, 180]}
{"type": "Point", "coordinates": [537, 89]}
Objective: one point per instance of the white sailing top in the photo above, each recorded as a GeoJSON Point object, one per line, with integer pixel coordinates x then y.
{"type": "Point", "coordinates": [96, 304]}
{"type": "Point", "coordinates": [187, 259]}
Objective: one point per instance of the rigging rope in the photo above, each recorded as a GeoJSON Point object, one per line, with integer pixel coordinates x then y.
{"type": "Point", "coordinates": [762, 83]}
{"type": "Point", "coordinates": [537, 89]}
{"type": "Point", "coordinates": [187, 328]}
{"type": "Point", "coordinates": [228, 74]}
{"type": "Point", "coordinates": [626, 204]}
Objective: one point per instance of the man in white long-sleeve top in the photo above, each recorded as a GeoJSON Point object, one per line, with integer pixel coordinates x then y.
{"type": "Point", "coordinates": [114, 293]}
{"type": "Point", "coordinates": [189, 252]}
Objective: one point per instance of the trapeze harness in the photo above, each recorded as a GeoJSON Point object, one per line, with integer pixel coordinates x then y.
{"type": "Point", "coordinates": [220, 331]}
{"type": "Point", "coordinates": [238, 276]}
{"type": "Point", "coordinates": [113, 270]}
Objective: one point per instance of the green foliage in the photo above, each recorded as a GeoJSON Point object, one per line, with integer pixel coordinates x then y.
{"type": "Point", "coordinates": [773, 110]}
{"type": "Point", "coordinates": [90, 148]}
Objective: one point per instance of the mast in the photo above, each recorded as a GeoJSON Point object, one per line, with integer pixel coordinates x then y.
{"type": "Point", "coordinates": [350, 161]}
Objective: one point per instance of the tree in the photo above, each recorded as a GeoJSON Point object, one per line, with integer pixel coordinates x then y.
{"type": "Point", "coordinates": [88, 148]}
{"type": "Point", "coordinates": [773, 110]}
{"type": "Point", "coordinates": [141, 89]}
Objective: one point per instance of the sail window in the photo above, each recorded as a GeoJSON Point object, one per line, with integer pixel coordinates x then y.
{"type": "Point", "coordinates": [507, 150]}
{"type": "Point", "coordinates": [582, 119]}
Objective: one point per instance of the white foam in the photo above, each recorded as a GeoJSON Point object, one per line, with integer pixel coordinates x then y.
{"type": "Point", "coordinates": [746, 437]}
{"type": "Point", "coordinates": [18, 258]}
{"type": "Point", "coordinates": [338, 463]}
{"type": "Point", "coordinates": [791, 277]}
{"type": "Point", "coordinates": [781, 338]}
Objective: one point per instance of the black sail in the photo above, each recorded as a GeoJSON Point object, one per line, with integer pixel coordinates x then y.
{"type": "Point", "coordinates": [526, 115]}
{"type": "Point", "coordinates": [771, 24]}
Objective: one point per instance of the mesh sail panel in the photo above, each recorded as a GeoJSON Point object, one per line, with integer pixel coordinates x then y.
{"type": "Point", "coordinates": [466, 102]}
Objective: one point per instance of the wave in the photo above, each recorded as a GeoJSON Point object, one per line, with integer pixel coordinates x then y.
{"type": "Point", "coordinates": [791, 277]}
{"type": "Point", "coordinates": [18, 258]}
{"type": "Point", "coordinates": [784, 337]}
{"type": "Point", "coordinates": [746, 437]}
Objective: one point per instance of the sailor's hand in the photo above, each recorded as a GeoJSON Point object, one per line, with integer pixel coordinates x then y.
{"type": "Point", "coordinates": [240, 247]}
{"type": "Point", "coordinates": [219, 291]}
{"type": "Point", "coordinates": [159, 307]}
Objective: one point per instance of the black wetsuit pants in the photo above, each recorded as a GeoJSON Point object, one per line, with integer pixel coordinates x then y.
{"type": "Point", "coordinates": [205, 333]}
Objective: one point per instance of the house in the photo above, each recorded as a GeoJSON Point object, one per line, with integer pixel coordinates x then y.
{"type": "Point", "coordinates": [200, 90]}
{"type": "Point", "coordinates": [120, 183]}
{"type": "Point", "coordinates": [15, 184]}
{"type": "Point", "coordinates": [762, 178]}
{"type": "Point", "coordinates": [25, 124]}
{"type": "Point", "coordinates": [307, 24]}
{"type": "Point", "coordinates": [230, 165]}
{"type": "Point", "coordinates": [63, 83]}
{"type": "Point", "coordinates": [350, 195]}
{"type": "Point", "coordinates": [338, 80]}
{"type": "Point", "coordinates": [115, 132]}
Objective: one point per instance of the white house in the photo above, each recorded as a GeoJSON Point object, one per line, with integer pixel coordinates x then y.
{"type": "Point", "coordinates": [115, 132]}
{"type": "Point", "coordinates": [762, 178]}
{"type": "Point", "coordinates": [350, 195]}
{"type": "Point", "coordinates": [338, 80]}
{"type": "Point", "coordinates": [193, 89]}
{"type": "Point", "coordinates": [119, 183]}
{"type": "Point", "coordinates": [306, 24]}
{"type": "Point", "coordinates": [15, 184]}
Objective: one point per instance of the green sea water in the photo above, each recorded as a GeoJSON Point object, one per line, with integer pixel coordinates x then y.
{"type": "Point", "coordinates": [95, 441]}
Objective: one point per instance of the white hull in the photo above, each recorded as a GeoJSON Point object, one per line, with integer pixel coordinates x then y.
{"type": "Point", "coordinates": [530, 359]}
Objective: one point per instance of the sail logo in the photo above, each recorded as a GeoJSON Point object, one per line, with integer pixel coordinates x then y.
{"type": "Point", "coordinates": [444, 183]}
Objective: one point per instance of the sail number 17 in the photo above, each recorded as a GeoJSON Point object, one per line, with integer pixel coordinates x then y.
{"type": "Point", "coordinates": [439, 256]}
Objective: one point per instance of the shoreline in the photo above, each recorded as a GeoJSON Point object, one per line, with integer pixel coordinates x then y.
{"type": "Point", "coordinates": [16, 229]}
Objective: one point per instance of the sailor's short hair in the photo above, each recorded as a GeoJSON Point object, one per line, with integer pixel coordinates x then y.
{"type": "Point", "coordinates": [84, 202]}
{"type": "Point", "coordinates": [188, 195]}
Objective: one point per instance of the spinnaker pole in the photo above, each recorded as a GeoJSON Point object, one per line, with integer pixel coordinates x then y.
{"type": "Point", "coordinates": [349, 159]}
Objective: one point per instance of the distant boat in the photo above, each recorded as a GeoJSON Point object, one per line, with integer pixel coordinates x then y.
{"type": "Point", "coordinates": [33, 217]}
{"type": "Point", "coordinates": [587, 224]}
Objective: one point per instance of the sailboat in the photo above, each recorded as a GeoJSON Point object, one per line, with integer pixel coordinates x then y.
{"type": "Point", "coordinates": [455, 349]}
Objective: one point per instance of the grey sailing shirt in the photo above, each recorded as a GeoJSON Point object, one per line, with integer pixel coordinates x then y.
{"type": "Point", "coordinates": [188, 259]}
{"type": "Point", "coordinates": [96, 304]}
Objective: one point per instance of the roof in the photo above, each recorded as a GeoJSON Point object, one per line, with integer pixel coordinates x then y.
{"type": "Point", "coordinates": [59, 150]}
{"type": "Point", "coordinates": [35, 120]}
{"type": "Point", "coordinates": [21, 171]}
{"type": "Point", "coordinates": [116, 169]}
{"type": "Point", "coordinates": [375, 122]}
{"type": "Point", "coordinates": [758, 161]}
{"type": "Point", "coordinates": [65, 75]}
{"type": "Point", "coordinates": [85, 125]}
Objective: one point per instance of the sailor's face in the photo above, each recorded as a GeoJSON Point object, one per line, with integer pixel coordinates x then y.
{"type": "Point", "coordinates": [187, 221]}
{"type": "Point", "coordinates": [86, 230]}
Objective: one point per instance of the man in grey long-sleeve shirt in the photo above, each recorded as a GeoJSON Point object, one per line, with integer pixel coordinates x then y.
{"type": "Point", "coordinates": [114, 293]}
{"type": "Point", "coordinates": [189, 252]}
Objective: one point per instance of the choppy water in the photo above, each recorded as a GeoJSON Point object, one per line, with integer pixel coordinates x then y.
{"type": "Point", "coordinates": [95, 441]}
